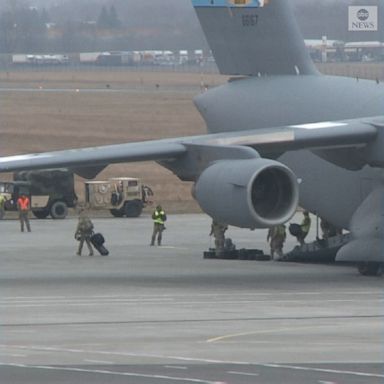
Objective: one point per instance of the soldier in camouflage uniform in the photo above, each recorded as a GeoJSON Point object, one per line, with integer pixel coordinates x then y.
{"type": "Point", "coordinates": [218, 231]}
{"type": "Point", "coordinates": [84, 232]}
{"type": "Point", "coordinates": [276, 237]}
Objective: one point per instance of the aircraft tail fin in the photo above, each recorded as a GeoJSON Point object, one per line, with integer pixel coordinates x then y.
{"type": "Point", "coordinates": [251, 37]}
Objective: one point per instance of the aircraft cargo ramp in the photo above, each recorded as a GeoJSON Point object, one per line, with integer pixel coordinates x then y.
{"type": "Point", "coordinates": [320, 250]}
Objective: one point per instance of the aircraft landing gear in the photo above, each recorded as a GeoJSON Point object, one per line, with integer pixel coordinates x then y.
{"type": "Point", "coordinates": [370, 268]}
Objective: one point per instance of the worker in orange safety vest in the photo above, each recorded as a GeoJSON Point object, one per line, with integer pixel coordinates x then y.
{"type": "Point", "coordinates": [24, 206]}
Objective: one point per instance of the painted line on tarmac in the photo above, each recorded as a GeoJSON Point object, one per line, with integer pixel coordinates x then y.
{"type": "Point", "coordinates": [99, 362]}
{"type": "Point", "coordinates": [243, 373]}
{"type": "Point", "coordinates": [171, 247]}
{"type": "Point", "coordinates": [323, 370]}
{"type": "Point", "coordinates": [110, 373]}
{"type": "Point", "coordinates": [199, 360]}
{"type": "Point", "coordinates": [175, 367]}
{"type": "Point", "coordinates": [266, 331]}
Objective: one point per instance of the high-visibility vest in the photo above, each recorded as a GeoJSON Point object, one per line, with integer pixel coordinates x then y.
{"type": "Point", "coordinates": [23, 203]}
{"type": "Point", "coordinates": [158, 217]}
{"type": "Point", "coordinates": [306, 224]}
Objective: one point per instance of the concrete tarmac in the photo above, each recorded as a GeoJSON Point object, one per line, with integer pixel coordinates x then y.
{"type": "Point", "coordinates": [147, 315]}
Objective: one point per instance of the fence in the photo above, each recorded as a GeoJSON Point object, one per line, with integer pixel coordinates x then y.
{"type": "Point", "coordinates": [371, 70]}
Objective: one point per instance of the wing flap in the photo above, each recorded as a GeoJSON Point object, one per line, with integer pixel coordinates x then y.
{"type": "Point", "coordinates": [328, 135]}
{"type": "Point", "coordinates": [322, 135]}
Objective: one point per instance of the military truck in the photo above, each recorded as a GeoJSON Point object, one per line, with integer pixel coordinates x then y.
{"type": "Point", "coordinates": [123, 196]}
{"type": "Point", "coordinates": [51, 192]}
{"type": "Point", "coordinates": [12, 191]}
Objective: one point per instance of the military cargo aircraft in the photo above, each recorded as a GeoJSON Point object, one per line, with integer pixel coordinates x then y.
{"type": "Point", "coordinates": [280, 134]}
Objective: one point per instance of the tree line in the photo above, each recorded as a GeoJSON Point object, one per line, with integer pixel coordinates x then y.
{"type": "Point", "coordinates": [125, 25]}
{"type": "Point", "coordinates": [77, 27]}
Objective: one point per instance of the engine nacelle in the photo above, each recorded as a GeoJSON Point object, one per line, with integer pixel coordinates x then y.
{"type": "Point", "coordinates": [253, 193]}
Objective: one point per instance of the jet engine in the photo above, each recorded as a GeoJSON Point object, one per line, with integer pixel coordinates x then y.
{"type": "Point", "coordinates": [251, 193]}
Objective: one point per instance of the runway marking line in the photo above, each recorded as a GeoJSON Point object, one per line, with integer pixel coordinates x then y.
{"type": "Point", "coordinates": [98, 361]}
{"type": "Point", "coordinates": [234, 335]}
{"type": "Point", "coordinates": [325, 370]}
{"type": "Point", "coordinates": [111, 373]}
{"type": "Point", "coordinates": [243, 373]}
{"type": "Point", "coordinates": [192, 359]}
{"type": "Point", "coordinates": [172, 247]}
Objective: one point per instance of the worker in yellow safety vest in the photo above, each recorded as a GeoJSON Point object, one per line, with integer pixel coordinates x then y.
{"type": "Point", "coordinates": [304, 227]}
{"type": "Point", "coordinates": [158, 217]}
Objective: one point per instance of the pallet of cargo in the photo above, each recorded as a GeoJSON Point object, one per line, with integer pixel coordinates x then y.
{"type": "Point", "coordinates": [237, 254]}
{"type": "Point", "coordinates": [253, 254]}
{"type": "Point", "coordinates": [226, 255]}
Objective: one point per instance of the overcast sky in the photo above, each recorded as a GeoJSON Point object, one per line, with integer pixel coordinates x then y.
{"type": "Point", "coordinates": [49, 3]}
{"type": "Point", "coordinates": [316, 18]}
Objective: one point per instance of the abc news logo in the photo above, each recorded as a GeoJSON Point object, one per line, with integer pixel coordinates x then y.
{"type": "Point", "coordinates": [362, 18]}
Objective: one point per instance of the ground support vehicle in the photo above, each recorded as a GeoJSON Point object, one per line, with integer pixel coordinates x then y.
{"type": "Point", "coordinates": [51, 192]}
{"type": "Point", "coordinates": [123, 196]}
{"type": "Point", "coordinates": [12, 191]}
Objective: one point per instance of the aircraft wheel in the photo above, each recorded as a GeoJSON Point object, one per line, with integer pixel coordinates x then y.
{"type": "Point", "coordinates": [59, 210]}
{"type": "Point", "coordinates": [133, 208]}
{"type": "Point", "coordinates": [370, 268]}
{"type": "Point", "coordinates": [41, 214]}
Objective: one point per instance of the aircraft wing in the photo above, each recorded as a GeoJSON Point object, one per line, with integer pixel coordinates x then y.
{"type": "Point", "coordinates": [337, 134]}
{"type": "Point", "coordinates": [326, 135]}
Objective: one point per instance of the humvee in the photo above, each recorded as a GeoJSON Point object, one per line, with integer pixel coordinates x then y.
{"type": "Point", "coordinates": [123, 196]}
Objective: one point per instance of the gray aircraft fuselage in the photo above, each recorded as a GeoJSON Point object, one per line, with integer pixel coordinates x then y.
{"type": "Point", "coordinates": [260, 102]}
